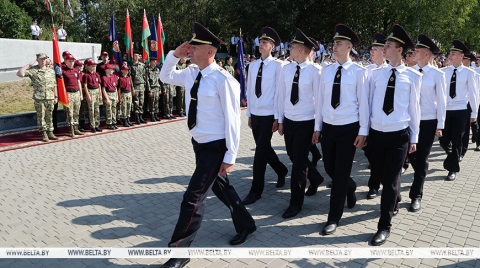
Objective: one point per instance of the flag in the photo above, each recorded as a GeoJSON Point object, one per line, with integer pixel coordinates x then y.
{"type": "Point", "coordinates": [241, 71]}
{"type": "Point", "coordinates": [153, 39]}
{"type": "Point", "coordinates": [127, 38]}
{"type": "Point", "coordinates": [145, 35]}
{"type": "Point", "coordinates": [49, 6]}
{"type": "Point", "coordinates": [57, 61]}
{"type": "Point", "coordinates": [69, 7]}
{"type": "Point", "coordinates": [161, 40]}
{"type": "Point", "coordinates": [112, 38]}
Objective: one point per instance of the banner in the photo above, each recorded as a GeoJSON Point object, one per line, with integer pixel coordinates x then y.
{"type": "Point", "coordinates": [127, 38]}
{"type": "Point", "coordinates": [57, 61]}
{"type": "Point", "coordinates": [145, 35]}
{"type": "Point", "coordinates": [112, 38]}
{"type": "Point", "coordinates": [241, 71]}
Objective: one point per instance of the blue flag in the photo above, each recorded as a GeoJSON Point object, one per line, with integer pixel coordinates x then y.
{"type": "Point", "coordinates": [241, 71]}
{"type": "Point", "coordinates": [112, 38]}
{"type": "Point", "coordinates": [153, 39]}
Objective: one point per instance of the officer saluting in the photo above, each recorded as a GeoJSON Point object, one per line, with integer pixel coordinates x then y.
{"type": "Point", "coordinates": [213, 117]}
{"type": "Point", "coordinates": [433, 100]}
{"type": "Point", "coordinates": [395, 118]}
{"type": "Point", "coordinates": [341, 121]}
{"type": "Point", "coordinates": [461, 89]}
{"type": "Point", "coordinates": [262, 113]}
{"type": "Point", "coordinates": [297, 85]}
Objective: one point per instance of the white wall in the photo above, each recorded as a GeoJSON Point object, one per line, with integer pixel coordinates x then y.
{"type": "Point", "coordinates": [16, 53]}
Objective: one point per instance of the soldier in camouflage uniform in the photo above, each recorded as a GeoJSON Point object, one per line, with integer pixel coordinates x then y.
{"type": "Point", "coordinates": [181, 91]}
{"type": "Point", "coordinates": [167, 100]}
{"type": "Point", "coordinates": [44, 94]}
{"type": "Point", "coordinates": [153, 88]}
{"type": "Point", "coordinates": [228, 66]}
{"type": "Point", "coordinates": [71, 77]}
{"type": "Point", "coordinates": [139, 77]}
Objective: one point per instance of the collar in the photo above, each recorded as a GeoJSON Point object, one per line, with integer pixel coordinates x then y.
{"type": "Point", "coordinates": [304, 64]}
{"type": "Point", "coordinates": [345, 65]}
{"type": "Point", "coordinates": [400, 68]}
{"type": "Point", "coordinates": [210, 68]}
{"type": "Point", "coordinates": [459, 68]}
{"type": "Point", "coordinates": [424, 69]}
{"type": "Point", "coordinates": [267, 60]}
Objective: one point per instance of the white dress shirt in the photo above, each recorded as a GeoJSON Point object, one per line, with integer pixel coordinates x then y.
{"type": "Point", "coordinates": [36, 30]}
{"type": "Point", "coordinates": [234, 40]}
{"type": "Point", "coordinates": [466, 89]}
{"type": "Point", "coordinates": [308, 84]}
{"type": "Point", "coordinates": [266, 104]}
{"type": "Point", "coordinates": [406, 105]}
{"type": "Point", "coordinates": [354, 94]}
{"type": "Point", "coordinates": [433, 95]}
{"type": "Point", "coordinates": [218, 108]}
{"type": "Point", "coordinates": [374, 66]}
{"type": "Point", "coordinates": [62, 34]}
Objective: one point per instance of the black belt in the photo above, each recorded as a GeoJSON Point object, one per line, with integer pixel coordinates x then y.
{"type": "Point", "coordinates": [108, 91]}
{"type": "Point", "coordinates": [72, 90]}
{"type": "Point", "coordinates": [126, 91]}
{"type": "Point", "coordinates": [92, 88]}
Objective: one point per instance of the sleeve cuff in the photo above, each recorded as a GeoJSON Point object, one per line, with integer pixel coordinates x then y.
{"type": "Point", "coordinates": [363, 131]}
{"type": "Point", "coordinates": [414, 139]}
{"type": "Point", "coordinates": [440, 125]}
{"type": "Point", "coordinates": [473, 115]}
{"type": "Point", "coordinates": [229, 158]}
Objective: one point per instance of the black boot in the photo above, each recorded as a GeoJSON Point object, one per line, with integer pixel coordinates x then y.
{"type": "Point", "coordinates": [152, 117]}
{"type": "Point", "coordinates": [124, 123]}
{"type": "Point", "coordinates": [81, 125]}
{"type": "Point", "coordinates": [141, 119]}
{"type": "Point", "coordinates": [137, 119]}
{"type": "Point", "coordinates": [156, 117]}
{"type": "Point", "coordinates": [128, 122]}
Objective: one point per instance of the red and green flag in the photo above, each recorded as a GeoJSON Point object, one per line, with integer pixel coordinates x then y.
{"type": "Point", "coordinates": [128, 36]}
{"type": "Point", "coordinates": [57, 61]}
{"type": "Point", "coordinates": [161, 40]}
{"type": "Point", "coordinates": [145, 35]}
{"type": "Point", "coordinates": [49, 6]}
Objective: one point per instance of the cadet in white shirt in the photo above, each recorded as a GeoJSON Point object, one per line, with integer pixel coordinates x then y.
{"type": "Point", "coordinates": [461, 89]}
{"type": "Point", "coordinates": [213, 117]}
{"type": "Point", "coordinates": [341, 121]}
{"type": "Point", "coordinates": [61, 33]}
{"type": "Point", "coordinates": [297, 85]}
{"type": "Point", "coordinates": [36, 30]}
{"type": "Point", "coordinates": [467, 61]}
{"type": "Point", "coordinates": [376, 56]}
{"type": "Point", "coordinates": [395, 119]}
{"type": "Point", "coordinates": [262, 113]}
{"type": "Point", "coordinates": [433, 101]}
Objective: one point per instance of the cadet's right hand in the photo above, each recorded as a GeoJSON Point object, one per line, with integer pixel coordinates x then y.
{"type": "Point", "coordinates": [109, 102]}
{"type": "Point", "coordinates": [89, 99]}
{"type": "Point", "coordinates": [280, 129]}
{"type": "Point", "coordinates": [250, 122]}
{"type": "Point", "coordinates": [316, 137]}
{"type": "Point", "coordinates": [182, 50]}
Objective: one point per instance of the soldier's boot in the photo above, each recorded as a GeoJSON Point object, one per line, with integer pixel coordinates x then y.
{"type": "Point", "coordinates": [141, 119]}
{"type": "Point", "coordinates": [76, 131]}
{"type": "Point", "coordinates": [72, 132]}
{"type": "Point", "coordinates": [152, 117]}
{"type": "Point", "coordinates": [156, 117]}
{"type": "Point", "coordinates": [81, 125]}
{"type": "Point", "coordinates": [124, 123]}
{"type": "Point", "coordinates": [44, 136]}
{"type": "Point", "coordinates": [51, 136]}
{"type": "Point", "coordinates": [137, 119]}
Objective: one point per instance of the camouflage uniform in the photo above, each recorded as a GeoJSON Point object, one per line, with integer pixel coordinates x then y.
{"type": "Point", "coordinates": [138, 78]}
{"type": "Point", "coordinates": [180, 93]}
{"type": "Point", "coordinates": [111, 109]}
{"type": "Point", "coordinates": [153, 86]}
{"type": "Point", "coordinates": [167, 99]}
{"type": "Point", "coordinates": [94, 108]}
{"type": "Point", "coordinates": [43, 81]}
{"type": "Point", "coordinates": [74, 109]}
{"type": "Point", "coordinates": [230, 69]}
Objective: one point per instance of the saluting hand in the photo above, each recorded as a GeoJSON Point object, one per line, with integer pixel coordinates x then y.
{"type": "Point", "coordinates": [182, 50]}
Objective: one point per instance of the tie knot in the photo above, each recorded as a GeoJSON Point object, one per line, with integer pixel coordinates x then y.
{"type": "Point", "coordinates": [393, 69]}
{"type": "Point", "coordinates": [454, 70]}
{"type": "Point", "coordinates": [298, 67]}
{"type": "Point", "coordinates": [339, 67]}
{"type": "Point", "coordinates": [420, 70]}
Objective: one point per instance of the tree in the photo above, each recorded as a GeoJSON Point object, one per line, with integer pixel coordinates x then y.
{"type": "Point", "coordinates": [14, 23]}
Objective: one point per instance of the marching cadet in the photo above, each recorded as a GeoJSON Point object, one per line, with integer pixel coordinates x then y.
{"type": "Point", "coordinates": [409, 58]}
{"type": "Point", "coordinates": [44, 93]}
{"type": "Point", "coordinates": [467, 61]}
{"type": "Point", "coordinates": [378, 61]}
{"type": "Point", "coordinates": [262, 113]}
{"type": "Point", "coordinates": [180, 96]}
{"type": "Point", "coordinates": [139, 77]}
{"type": "Point", "coordinates": [461, 88]}
{"type": "Point", "coordinates": [341, 121]}
{"type": "Point", "coordinates": [297, 85]}
{"type": "Point", "coordinates": [214, 122]}
{"type": "Point", "coordinates": [125, 95]}
{"type": "Point", "coordinates": [395, 118]}
{"type": "Point", "coordinates": [433, 101]}
{"type": "Point", "coordinates": [71, 77]}
{"type": "Point", "coordinates": [110, 95]}
{"type": "Point", "coordinates": [91, 85]}
{"type": "Point", "coordinates": [153, 88]}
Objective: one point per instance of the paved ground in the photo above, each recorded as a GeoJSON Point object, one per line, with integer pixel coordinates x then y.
{"type": "Point", "coordinates": [123, 189]}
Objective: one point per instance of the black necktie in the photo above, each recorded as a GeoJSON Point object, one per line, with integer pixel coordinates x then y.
{"type": "Point", "coordinates": [388, 101]}
{"type": "Point", "coordinates": [453, 85]}
{"type": "Point", "coordinates": [258, 83]}
{"type": "Point", "coordinates": [192, 108]}
{"type": "Point", "coordinates": [294, 93]}
{"type": "Point", "coordinates": [336, 88]}
{"type": "Point", "coordinates": [420, 70]}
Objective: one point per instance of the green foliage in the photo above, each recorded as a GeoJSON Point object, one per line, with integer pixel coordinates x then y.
{"type": "Point", "coordinates": [14, 23]}
{"type": "Point", "coordinates": [442, 20]}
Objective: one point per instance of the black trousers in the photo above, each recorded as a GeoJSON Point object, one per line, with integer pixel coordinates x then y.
{"type": "Point", "coordinates": [373, 182]}
{"type": "Point", "coordinates": [54, 117]}
{"type": "Point", "coordinates": [476, 128]}
{"type": "Point", "coordinates": [298, 140]}
{"type": "Point", "coordinates": [453, 133]}
{"type": "Point", "coordinates": [264, 153]}
{"type": "Point", "coordinates": [338, 153]}
{"type": "Point", "coordinates": [419, 159]}
{"type": "Point", "coordinates": [389, 150]}
{"type": "Point", "coordinates": [209, 157]}
{"type": "Point", "coordinates": [466, 134]}
{"type": "Point", "coordinates": [315, 152]}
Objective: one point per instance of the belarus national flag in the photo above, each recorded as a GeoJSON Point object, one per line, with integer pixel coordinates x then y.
{"type": "Point", "coordinates": [145, 35]}
{"type": "Point", "coordinates": [161, 40]}
{"type": "Point", "coordinates": [127, 38]}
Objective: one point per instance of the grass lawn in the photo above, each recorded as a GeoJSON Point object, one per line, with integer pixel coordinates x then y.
{"type": "Point", "coordinates": [16, 97]}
